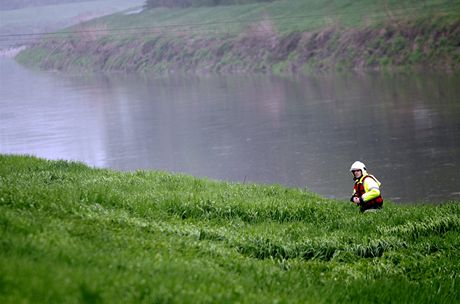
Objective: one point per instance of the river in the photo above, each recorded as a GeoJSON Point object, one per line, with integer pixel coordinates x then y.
{"type": "Point", "coordinates": [297, 131]}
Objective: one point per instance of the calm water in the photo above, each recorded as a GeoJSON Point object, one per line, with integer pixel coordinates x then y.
{"type": "Point", "coordinates": [301, 132]}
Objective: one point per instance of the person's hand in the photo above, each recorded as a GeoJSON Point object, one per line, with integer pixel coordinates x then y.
{"type": "Point", "coordinates": [356, 200]}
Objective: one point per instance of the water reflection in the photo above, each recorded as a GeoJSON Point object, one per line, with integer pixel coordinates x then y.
{"type": "Point", "coordinates": [299, 132]}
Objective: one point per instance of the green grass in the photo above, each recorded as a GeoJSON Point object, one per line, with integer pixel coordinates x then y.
{"type": "Point", "coordinates": [280, 37]}
{"type": "Point", "coordinates": [70, 233]}
{"type": "Point", "coordinates": [41, 15]}
{"type": "Point", "coordinates": [285, 16]}
{"type": "Point", "coordinates": [49, 18]}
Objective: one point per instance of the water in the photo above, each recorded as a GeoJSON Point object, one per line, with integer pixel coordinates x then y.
{"type": "Point", "coordinates": [301, 132]}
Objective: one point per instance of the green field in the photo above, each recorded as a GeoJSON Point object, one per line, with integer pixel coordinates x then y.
{"type": "Point", "coordinates": [74, 234]}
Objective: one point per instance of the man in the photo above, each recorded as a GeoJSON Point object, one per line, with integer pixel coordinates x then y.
{"type": "Point", "coordinates": [366, 191]}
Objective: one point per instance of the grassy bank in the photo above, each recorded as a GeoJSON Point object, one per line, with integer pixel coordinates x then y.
{"type": "Point", "coordinates": [70, 233]}
{"type": "Point", "coordinates": [281, 36]}
{"type": "Point", "coordinates": [17, 25]}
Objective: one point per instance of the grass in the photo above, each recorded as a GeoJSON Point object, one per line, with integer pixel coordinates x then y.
{"type": "Point", "coordinates": [281, 37]}
{"type": "Point", "coordinates": [49, 18]}
{"type": "Point", "coordinates": [42, 15]}
{"type": "Point", "coordinates": [285, 16]}
{"type": "Point", "coordinates": [70, 233]}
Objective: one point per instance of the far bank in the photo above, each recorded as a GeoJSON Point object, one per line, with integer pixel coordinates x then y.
{"type": "Point", "coordinates": [260, 38]}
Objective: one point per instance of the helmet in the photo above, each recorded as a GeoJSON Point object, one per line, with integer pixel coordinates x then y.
{"type": "Point", "coordinates": [357, 165]}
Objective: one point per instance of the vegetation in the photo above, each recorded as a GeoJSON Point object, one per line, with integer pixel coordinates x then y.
{"type": "Point", "coordinates": [20, 26]}
{"type": "Point", "coordinates": [8, 5]}
{"type": "Point", "coordinates": [70, 233]}
{"type": "Point", "coordinates": [293, 36]}
{"type": "Point", "coordinates": [190, 3]}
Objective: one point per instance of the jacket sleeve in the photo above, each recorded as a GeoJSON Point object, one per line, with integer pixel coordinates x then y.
{"type": "Point", "coordinates": [372, 189]}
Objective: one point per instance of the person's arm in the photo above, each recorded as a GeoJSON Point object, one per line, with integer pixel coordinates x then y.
{"type": "Point", "coordinates": [372, 189]}
{"type": "Point", "coordinates": [353, 197]}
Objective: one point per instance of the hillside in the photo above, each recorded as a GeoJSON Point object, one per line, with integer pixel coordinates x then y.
{"type": "Point", "coordinates": [22, 25]}
{"type": "Point", "coordinates": [17, 4]}
{"type": "Point", "coordinates": [281, 36]}
{"type": "Point", "coordinates": [70, 233]}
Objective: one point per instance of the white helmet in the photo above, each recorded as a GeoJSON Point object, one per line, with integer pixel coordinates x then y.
{"type": "Point", "coordinates": [357, 165]}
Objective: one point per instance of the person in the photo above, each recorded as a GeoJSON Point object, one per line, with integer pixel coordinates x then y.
{"type": "Point", "coordinates": [366, 191]}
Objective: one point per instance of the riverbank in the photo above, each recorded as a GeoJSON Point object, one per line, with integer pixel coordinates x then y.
{"type": "Point", "coordinates": [22, 24]}
{"type": "Point", "coordinates": [277, 37]}
{"type": "Point", "coordinates": [84, 234]}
